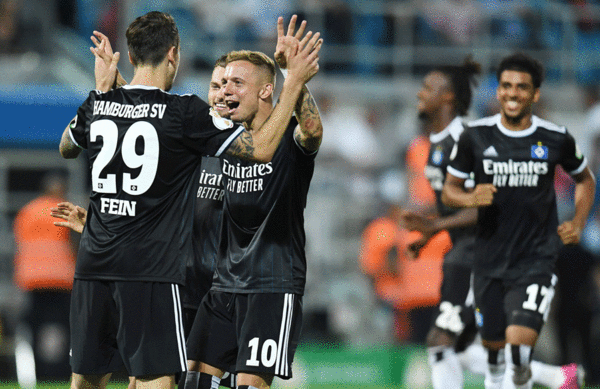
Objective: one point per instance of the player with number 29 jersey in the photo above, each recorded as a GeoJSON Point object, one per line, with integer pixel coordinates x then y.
{"type": "Point", "coordinates": [139, 220]}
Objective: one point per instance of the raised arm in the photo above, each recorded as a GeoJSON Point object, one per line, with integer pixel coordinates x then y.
{"type": "Point", "coordinates": [303, 64]}
{"type": "Point", "coordinates": [67, 148]}
{"type": "Point", "coordinates": [309, 131]}
{"type": "Point", "coordinates": [106, 73]}
{"type": "Point", "coordinates": [585, 188]}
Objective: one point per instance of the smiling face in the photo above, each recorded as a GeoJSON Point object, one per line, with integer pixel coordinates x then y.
{"type": "Point", "coordinates": [216, 98]}
{"type": "Point", "coordinates": [516, 95]}
{"type": "Point", "coordinates": [244, 87]}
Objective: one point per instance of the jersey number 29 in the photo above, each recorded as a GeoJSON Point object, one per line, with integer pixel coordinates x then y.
{"type": "Point", "coordinates": [148, 160]}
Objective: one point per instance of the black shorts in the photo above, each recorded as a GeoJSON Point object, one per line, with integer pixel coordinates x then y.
{"type": "Point", "coordinates": [255, 333]}
{"type": "Point", "coordinates": [455, 311]}
{"type": "Point", "coordinates": [499, 303]}
{"type": "Point", "coordinates": [130, 323]}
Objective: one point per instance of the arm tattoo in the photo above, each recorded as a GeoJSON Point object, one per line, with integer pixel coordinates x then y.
{"type": "Point", "coordinates": [68, 149]}
{"type": "Point", "coordinates": [309, 120]}
{"type": "Point", "coordinates": [242, 146]}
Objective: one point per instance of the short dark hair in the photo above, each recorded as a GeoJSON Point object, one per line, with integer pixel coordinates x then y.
{"type": "Point", "coordinates": [522, 62]}
{"type": "Point", "coordinates": [150, 37]}
{"type": "Point", "coordinates": [462, 78]}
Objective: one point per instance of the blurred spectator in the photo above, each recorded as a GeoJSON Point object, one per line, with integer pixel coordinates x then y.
{"type": "Point", "coordinates": [44, 269]}
{"type": "Point", "coordinates": [9, 25]}
{"type": "Point", "coordinates": [420, 195]}
{"type": "Point", "coordinates": [410, 288]}
{"type": "Point", "coordinates": [458, 21]}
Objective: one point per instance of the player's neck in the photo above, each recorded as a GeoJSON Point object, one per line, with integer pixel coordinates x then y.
{"type": "Point", "coordinates": [440, 122]}
{"type": "Point", "coordinates": [264, 111]}
{"type": "Point", "coordinates": [516, 124]}
{"type": "Point", "coordinates": [150, 76]}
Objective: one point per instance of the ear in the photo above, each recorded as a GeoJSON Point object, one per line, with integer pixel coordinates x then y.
{"type": "Point", "coordinates": [130, 59]}
{"type": "Point", "coordinates": [266, 91]}
{"type": "Point", "coordinates": [173, 55]}
{"type": "Point", "coordinates": [536, 95]}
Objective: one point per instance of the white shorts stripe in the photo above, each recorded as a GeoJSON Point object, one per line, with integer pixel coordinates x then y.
{"type": "Point", "coordinates": [179, 327]}
{"type": "Point", "coordinates": [290, 315]}
{"type": "Point", "coordinates": [282, 329]}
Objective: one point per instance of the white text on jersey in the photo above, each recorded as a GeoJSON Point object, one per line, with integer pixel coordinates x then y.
{"type": "Point", "coordinates": [117, 207]}
{"type": "Point", "coordinates": [515, 174]}
{"type": "Point", "coordinates": [129, 111]}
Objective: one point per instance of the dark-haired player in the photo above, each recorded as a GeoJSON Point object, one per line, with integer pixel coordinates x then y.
{"type": "Point", "coordinates": [252, 315]}
{"type": "Point", "coordinates": [443, 102]}
{"type": "Point", "coordinates": [144, 145]}
{"type": "Point", "coordinates": [513, 156]}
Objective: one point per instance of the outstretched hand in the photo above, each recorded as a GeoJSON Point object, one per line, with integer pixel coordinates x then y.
{"type": "Point", "coordinates": [73, 215]}
{"type": "Point", "coordinates": [105, 65]}
{"type": "Point", "coordinates": [302, 57]}
{"type": "Point", "coordinates": [289, 41]}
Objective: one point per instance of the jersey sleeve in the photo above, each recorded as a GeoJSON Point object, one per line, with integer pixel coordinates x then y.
{"type": "Point", "coordinates": [205, 131]}
{"type": "Point", "coordinates": [572, 160]}
{"type": "Point", "coordinates": [79, 124]}
{"type": "Point", "coordinates": [462, 157]}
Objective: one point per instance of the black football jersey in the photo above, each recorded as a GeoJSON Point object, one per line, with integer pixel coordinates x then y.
{"type": "Point", "coordinates": [442, 144]}
{"type": "Point", "coordinates": [144, 147]}
{"type": "Point", "coordinates": [207, 217]}
{"type": "Point", "coordinates": [262, 233]}
{"type": "Point", "coordinates": [517, 233]}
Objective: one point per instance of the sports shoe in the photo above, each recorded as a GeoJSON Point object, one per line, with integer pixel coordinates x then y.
{"type": "Point", "coordinates": [574, 376]}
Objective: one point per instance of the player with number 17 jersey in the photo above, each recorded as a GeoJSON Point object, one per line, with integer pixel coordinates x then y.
{"type": "Point", "coordinates": [144, 146]}
{"type": "Point", "coordinates": [517, 233]}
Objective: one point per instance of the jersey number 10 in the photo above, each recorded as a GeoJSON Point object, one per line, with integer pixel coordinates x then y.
{"type": "Point", "coordinates": [148, 160]}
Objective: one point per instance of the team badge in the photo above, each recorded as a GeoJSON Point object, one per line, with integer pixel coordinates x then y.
{"type": "Point", "coordinates": [437, 156]}
{"type": "Point", "coordinates": [219, 122]}
{"type": "Point", "coordinates": [478, 318]}
{"type": "Point", "coordinates": [539, 151]}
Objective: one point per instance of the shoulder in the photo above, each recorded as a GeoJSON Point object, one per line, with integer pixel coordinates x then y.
{"type": "Point", "coordinates": [489, 121]}
{"type": "Point", "coordinates": [548, 125]}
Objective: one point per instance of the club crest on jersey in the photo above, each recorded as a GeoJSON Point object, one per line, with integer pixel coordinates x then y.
{"type": "Point", "coordinates": [539, 151]}
{"type": "Point", "coordinates": [220, 122]}
{"type": "Point", "coordinates": [478, 318]}
{"type": "Point", "coordinates": [437, 156]}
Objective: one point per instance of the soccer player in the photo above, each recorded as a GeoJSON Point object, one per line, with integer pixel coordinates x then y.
{"type": "Point", "coordinates": [513, 156]}
{"type": "Point", "coordinates": [251, 317]}
{"type": "Point", "coordinates": [443, 101]}
{"type": "Point", "coordinates": [207, 215]}
{"type": "Point", "coordinates": [143, 145]}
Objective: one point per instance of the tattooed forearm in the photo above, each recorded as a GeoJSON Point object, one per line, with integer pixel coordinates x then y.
{"type": "Point", "coordinates": [67, 148]}
{"type": "Point", "coordinates": [311, 128]}
{"type": "Point", "coordinates": [242, 146]}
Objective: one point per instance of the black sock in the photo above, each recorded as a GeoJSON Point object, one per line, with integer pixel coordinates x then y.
{"type": "Point", "coordinates": [208, 381]}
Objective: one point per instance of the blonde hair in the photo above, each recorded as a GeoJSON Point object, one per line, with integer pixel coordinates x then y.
{"type": "Point", "coordinates": [257, 58]}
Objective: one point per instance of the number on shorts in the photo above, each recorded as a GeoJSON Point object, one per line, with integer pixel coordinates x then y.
{"type": "Point", "coordinates": [449, 317]}
{"type": "Point", "coordinates": [532, 294]}
{"type": "Point", "coordinates": [268, 355]}
{"type": "Point", "coordinates": [147, 161]}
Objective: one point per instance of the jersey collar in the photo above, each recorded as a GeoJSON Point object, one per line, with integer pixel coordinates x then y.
{"type": "Point", "coordinates": [518, 134]}
{"type": "Point", "coordinates": [455, 125]}
{"type": "Point", "coordinates": [147, 87]}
